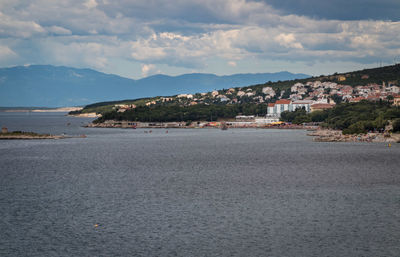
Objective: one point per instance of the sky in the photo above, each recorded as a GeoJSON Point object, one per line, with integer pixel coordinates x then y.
{"type": "Point", "coordinates": [138, 38]}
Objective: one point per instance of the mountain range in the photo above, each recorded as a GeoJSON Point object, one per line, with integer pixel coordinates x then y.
{"type": "Point", "coordinates": [58, 86]}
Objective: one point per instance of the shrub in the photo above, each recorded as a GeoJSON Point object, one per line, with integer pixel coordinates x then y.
{"type": "Point", "coordinates": [396, 125]}
{"type": "Point", "coordinates": [302, 119]}
{"type": "Point", "coordinates": [318, 116]}
{"type": "Point", "coordinates": [356, 128]}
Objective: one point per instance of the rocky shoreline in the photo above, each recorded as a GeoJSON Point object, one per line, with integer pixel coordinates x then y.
{"type": "Point", "coordinates": [325, 135]}
{"type": "Point", "coordinates": [86, 115]}
{"type": "Point", "coordinates": [320, 135]}
{"type": "Point", "coordinates": [199, 124]}
{"type": "Point", "coordinates": [130, 124]}
{"type": "Point", "coordinates": [5, 136]}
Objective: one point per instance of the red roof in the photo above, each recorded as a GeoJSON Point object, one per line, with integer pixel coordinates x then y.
{"type": "Point", "coordinates": [357, 99]}
{"type": "Point", "coordinates": [283, 101]}
{"type": "Point", "coordinates": [271, 105]}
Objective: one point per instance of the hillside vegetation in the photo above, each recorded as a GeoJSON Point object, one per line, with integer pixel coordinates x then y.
{"type": "Point", "coordinates": [171, 113]}
{"type": "Point", "coordinates": [352, 118]}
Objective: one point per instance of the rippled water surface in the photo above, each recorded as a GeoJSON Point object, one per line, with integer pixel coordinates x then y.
{"type": "Point", "coordinates": [194, 192]}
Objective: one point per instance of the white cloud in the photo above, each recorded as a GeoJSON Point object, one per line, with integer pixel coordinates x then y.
{"type": "Point", "coordinates": [256, 42]}
{"type": "Point", "coordinates": [59, 30]}
{"type": "Point", "coordinates": [6, 53]}
{"type": "Point", "coordinates": [232, 63]}
{"type": "Point", "coordinates": [288, 40]}
{"type": "Point", "coordinates": [12, 27]}
{"type": "Point", "coordinates": [149, 69]}
{"type": "Point", "coordinates": [91, 4]}
{"type": "Point", "coordinates": [184, 34]}
{"type": "Point", "coordinates": [80, 53]}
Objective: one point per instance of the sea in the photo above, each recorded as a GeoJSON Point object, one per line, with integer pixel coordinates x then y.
{"type": "Point", "coordinates": [193, 192]}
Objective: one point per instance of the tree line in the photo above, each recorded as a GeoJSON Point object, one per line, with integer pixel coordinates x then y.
{"type": "Point", "coordinates": [172, 113]}
{"type": "Point", "coordinates": [351, 118]}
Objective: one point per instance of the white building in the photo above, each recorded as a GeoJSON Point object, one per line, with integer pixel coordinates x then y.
{"type": "Point", "coordinates": [189, 96]}
{"type": "Point", "coordinates": [268, 91]}
{"type": "Point", "coordinates": [266, 120]}
{"type": "Point", "coordinates": [296, 87]}
{"type": "Point", "coordinates": [302, 103]}
{"type": "Point", "coordinates": [240, 93]}
{"type": "Point", "coordinates": [245, 118]}
{"type": "Point", "coordinates": [393, 89]}
{"type": "Point", "coordinates": [275, 109]}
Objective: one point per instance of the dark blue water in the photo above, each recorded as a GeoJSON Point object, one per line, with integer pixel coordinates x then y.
{"type": "Point", "coordinates": [194, 192]}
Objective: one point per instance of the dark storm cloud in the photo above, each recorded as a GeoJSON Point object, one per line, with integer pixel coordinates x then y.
{"type": "Point", "coordinates": [184, 11]}
{"type": "Point", "coordinates": [340, 9]}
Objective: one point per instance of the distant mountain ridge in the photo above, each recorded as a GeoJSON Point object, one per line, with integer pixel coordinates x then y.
{"type": "Point", "coordinates": [58, 86]}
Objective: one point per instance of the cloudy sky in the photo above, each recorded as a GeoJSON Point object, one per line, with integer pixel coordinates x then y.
{"type": "Point", "coordinates": [136, 38]}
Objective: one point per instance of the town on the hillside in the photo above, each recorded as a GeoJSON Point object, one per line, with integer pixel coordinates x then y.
{"type": "Point", "coordinates": [311, 95]}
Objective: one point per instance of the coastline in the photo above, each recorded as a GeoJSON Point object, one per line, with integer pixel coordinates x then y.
{"type": "Point", "coordinates": [85, 115]}
{"type": "Point", "coordinates": [318, 134]}
{"type": "Point", "coordinates": [32, 136]}
{"type": "Point", "coordinates": [199, 124]}
{"type": "Point", "coordinates": [14, 137]}
{"type": "Point", "coordinates": [326, 135]}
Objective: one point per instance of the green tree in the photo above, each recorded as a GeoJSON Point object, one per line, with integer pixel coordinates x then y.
{"type": "Point", "coordinates": [396, 125]}
{"type": "Point", "coordinates": [337, 99]}
{"type": "Point", "coordinates": [356, 128]}
{"type": "Point", "coordinates": [318, 116]}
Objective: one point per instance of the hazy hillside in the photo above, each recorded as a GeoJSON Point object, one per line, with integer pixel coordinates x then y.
{"type": "Point", "coordinates": [58, 86]}
{"type": "Point", "coordinates": [50, 86]}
